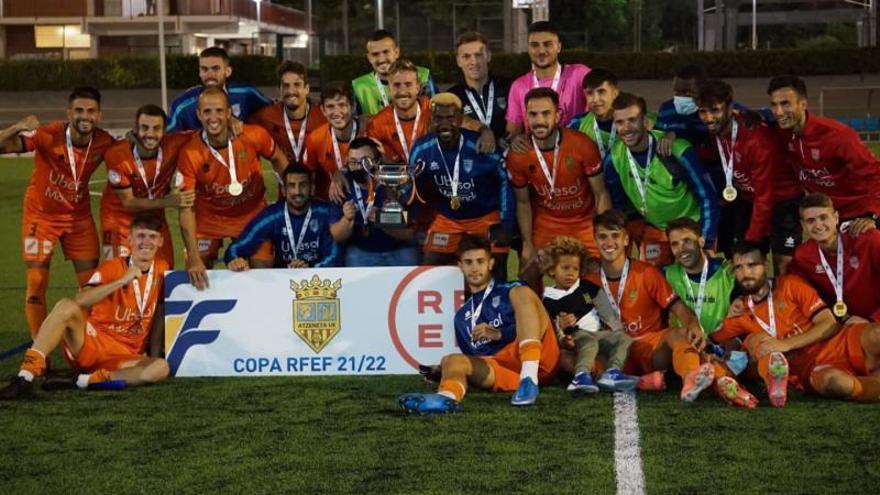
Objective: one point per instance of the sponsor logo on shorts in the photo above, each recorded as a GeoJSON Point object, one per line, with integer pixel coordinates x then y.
{"type": "Point", "coordinates": [107, 252]}
{"type": "Point", "coordinates": [31, 245]}
{"type": "Point", "coordinates": [47, 247]}
{"type": "Point", "coordinates": [652, 251]}
{"type": "Point", "coordinates": [789, 242]}
{"type": "Point", "coordinates": [440, 239]}
{"type": "Point", "coordinates": [204, 245]}
{"type": "Point", "coordinates": [96, 279]}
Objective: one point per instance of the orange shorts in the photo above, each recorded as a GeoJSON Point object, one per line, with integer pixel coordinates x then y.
{"type": "Point", "coordinates": [653, 243]}
{"type": "Point", "coordinates": [843, 352]}
{"type": "Point", "coordinates": [114, 242]}
{"type": "Point", "coordinates": [100, 351]}
{"type": "Point", "coordinates": [506, 364]}
{"type": "Point", "coordinates": [445, 234]}
{"type": "Point", "coordinates": [546, 228]}
{"type": "Point", "coordinates": [641, 352]}
{"type": "Point", "coordinates": [40, 233]}
{"type": "Point", "coordinates": [210, 249]}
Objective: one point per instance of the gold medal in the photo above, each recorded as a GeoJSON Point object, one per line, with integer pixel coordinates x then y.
{"type": "Point", "coordinates": [729, 193]}
{"type": "Point", "coordinates": [455, 203]}
{"type": "Point", "coordinates": [840, 309]}
{"type": "Point", "coordinates": [235, 188]}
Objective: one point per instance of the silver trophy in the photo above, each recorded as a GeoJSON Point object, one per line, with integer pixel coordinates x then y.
{"type": "Point", "coordinates": [392, 177]}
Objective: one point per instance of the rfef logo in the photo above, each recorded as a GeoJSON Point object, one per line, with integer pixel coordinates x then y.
{"type": "Point", "coordinates": [182, 320]}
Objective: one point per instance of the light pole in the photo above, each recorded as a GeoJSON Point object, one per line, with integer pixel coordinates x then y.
{"type": "Point", "coordinates": [754, 24]}
{"type": "Point", "coordinates": [160, 13]}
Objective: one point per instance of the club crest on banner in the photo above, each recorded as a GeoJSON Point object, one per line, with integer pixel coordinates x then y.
{"type": "Point", "coordinates": [316, 318]}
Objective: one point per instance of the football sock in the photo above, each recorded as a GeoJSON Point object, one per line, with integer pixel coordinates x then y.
{"type": "Point", "coordinates": [529, 356]}
{"type": "Point", "coordinates": [453, 389]}
{"type": "Point", "coordinates": [720, 370]}
{"type": "Point", "coordinates": [35, 298]}
{"type": "Point", "coordinates": [98, 376]}
{"type": "Point", "coordinates": [33, 364]}
{"type": "Point", "coordinates": [82, 278]}
{"type": "Point", "coordinates": [865, 389]}
{"type": "Point", "coordinates": [684, 358]}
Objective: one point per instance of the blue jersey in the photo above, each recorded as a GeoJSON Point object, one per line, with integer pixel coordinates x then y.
{"type": "Point", "coordinates": [244, 100]}
{"type": "Point", "coordinates": [316, 247]}
{"type": "Point", "coordinates": [374, 240]}
{"type": "Point", "coordinates": [497, 311]}
{"type": "Point", "coordinates": [483, 185]}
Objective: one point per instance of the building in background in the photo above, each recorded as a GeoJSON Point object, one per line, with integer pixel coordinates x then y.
{"type": "Point", "coordinates": [76, 29]}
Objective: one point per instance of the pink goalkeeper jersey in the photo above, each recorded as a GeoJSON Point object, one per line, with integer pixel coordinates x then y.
{"type": "Point", "coordinates": [571, 95]}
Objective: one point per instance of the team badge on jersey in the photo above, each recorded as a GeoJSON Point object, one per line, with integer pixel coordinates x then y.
{"type": "Point", "coordinates": [236, 109]}
{"type": "Point", "coordinates": [814, 152]}
{"type": "Point", "coordinates": [496, 301]}
{"type": "Point", "coordinates": [502, 102]}
{"type": "Point", "coordinates": [468, 165]}
{"type": "Point", "coordinates": [314, 226]}
{"type": "Point", "coordinates": [316, 318]}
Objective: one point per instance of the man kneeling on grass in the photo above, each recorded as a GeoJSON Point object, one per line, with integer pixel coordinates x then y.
{"type": "Point", "coordinates": [504, 333]}
{"type": "Point", "coordinates": [104, 328]}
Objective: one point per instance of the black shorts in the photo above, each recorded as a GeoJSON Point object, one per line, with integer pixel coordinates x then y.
{"type": "Point", "coordinates": [785, 227]}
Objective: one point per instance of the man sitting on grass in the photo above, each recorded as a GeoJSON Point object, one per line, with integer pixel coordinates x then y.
{"type": "Point", "coordinates": [504, 333]}
{"type": "Point", "coordinates": [104, 328]}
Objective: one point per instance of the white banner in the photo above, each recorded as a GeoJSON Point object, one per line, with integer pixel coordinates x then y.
{"type": "Point", "coordinates": [325, 321]}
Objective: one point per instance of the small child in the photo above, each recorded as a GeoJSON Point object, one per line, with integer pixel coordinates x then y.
{"type": "Point", "coordinates": [584, 319]}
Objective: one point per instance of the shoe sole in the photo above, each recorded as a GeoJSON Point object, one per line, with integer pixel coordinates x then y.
{"type": "Point", "coordinates": [582, 390]}
{"type": "Point", "coordinates": [777, 389]}
{"type": "Point", "coordinates": [705, 377]}
{"type": "Point", "coordinates": [735, 395]}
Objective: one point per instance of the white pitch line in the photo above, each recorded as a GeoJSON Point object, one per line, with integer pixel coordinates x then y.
{"type": "Point", "coordinates": [627, 453]}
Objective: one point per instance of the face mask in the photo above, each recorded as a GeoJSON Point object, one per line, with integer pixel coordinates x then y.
{"type": "Point", "coordinates": [684, 105]}
{"type": "Point", "coordinates": [737, 361]}
{"type": "Point", "coordinates": [359, 176]}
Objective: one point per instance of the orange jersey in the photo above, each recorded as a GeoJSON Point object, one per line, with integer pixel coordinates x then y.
{"type": "Point", "coordinates": [270, 117]}
{"type": "Point", "coordinates": [118, 315]}
{"type": "Point", "coordinates": [572, 196]}
{"type": "Point", "coordinates": [321, 157]}
{"type": "Point", "coordinates": [646, 296]}
{"type": "Point", "coordinates": [52, 189]}
{"type": "Point", "coordinates": [218, 213]}
{"type": "Point", "coordinates": [383, 128]}
{"type": "Point", "coordinates": [795, 303]}
{"type": "Point", "coordinates": [123, 173]}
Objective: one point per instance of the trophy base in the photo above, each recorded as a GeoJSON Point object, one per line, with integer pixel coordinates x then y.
{"type": "Point", "coordinates": [391, 219]}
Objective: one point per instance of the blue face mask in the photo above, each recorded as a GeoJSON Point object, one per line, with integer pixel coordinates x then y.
{"type": "Point", "coordinates": [684, 105]}
{"type": "Point", "coordinates": [737, 361]}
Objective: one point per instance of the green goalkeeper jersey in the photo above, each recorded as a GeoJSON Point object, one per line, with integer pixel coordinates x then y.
{"type": "Point", "coordinates": [720, 283]}
{"type": "Point", "coordinates": [663, 189]}
{"type": "Point", "coordinates": [369, 100]}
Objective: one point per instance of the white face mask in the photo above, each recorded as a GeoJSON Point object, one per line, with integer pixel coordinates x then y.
{"type": "Point", "coordinates": [684, 105]}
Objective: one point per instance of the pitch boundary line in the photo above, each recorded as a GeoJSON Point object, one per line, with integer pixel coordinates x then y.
{"type": "Point", "coordinates": [627, 453]}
